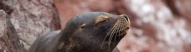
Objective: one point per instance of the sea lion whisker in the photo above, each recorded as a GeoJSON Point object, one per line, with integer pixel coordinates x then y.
{"type": "Point", "coordinates": [112, 29]}
{"type": "Point", "coordinates": [113, 33]}
{"type": "Point", "coordinates": [121, 25]}
{"type": "Point", "coordinates": [111, 36]}
{"type": "Point", "coordinates": [116, 29]}
{"type": "Point", "coordinates": [116, 34]}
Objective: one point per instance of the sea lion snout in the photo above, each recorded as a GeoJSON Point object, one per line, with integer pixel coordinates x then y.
{"type": "Point", "coordinates": [123, 24]}
{"type": "Point", "coordinates": [127, 19]}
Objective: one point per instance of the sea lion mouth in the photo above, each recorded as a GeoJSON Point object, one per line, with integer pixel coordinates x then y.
{"type": "Point", "coordinates": [123, 32]}
{"type": "Point", "coordinates": [119, 35]}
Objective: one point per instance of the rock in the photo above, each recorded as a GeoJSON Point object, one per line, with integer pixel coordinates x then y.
{"type": "Point", "coordinates": [9, 40]}
{"type": "Point", "coordinates": [31, 18]}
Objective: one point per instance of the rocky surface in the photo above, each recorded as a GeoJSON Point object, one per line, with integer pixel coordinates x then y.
{"type": "Point", "coordinates": [31, 18]}
{"type": "Point", "coordinates": [157, 25]}
{"type": "Point", "coordinates": [9, 41]}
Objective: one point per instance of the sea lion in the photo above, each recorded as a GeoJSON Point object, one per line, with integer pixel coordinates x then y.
{"type": "Point", "coordinates": [88, 32]}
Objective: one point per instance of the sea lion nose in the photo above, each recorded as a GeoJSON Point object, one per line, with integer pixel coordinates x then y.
{"type": "Point", "coordinates": [125, 16]}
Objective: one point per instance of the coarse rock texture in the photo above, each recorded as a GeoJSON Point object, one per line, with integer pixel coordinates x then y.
{"type": "Point", "coordinates": [9, 41]}
{"type": "Point", "coordinates": [156, 25]}
{"type": "Point", "coordinates": [31, 18]}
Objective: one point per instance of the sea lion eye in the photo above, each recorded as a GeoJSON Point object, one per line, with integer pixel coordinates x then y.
{"type": "Point", "coordinates": [101, 19]}
{"type": "Point", "coordinates": [83, 25]}
{"type": "Point", "coordinates": [104, 20]}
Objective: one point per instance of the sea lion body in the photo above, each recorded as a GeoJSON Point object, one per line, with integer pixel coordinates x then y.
{"type": "Point", "coordinates": [89, 32]}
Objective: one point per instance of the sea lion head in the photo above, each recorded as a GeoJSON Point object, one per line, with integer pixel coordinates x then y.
{"type": "Point", "coordinates": [97, 29]}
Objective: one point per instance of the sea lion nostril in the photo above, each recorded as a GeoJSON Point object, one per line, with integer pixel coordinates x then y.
{"type": "Point", "coordinates": [125, 16]}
